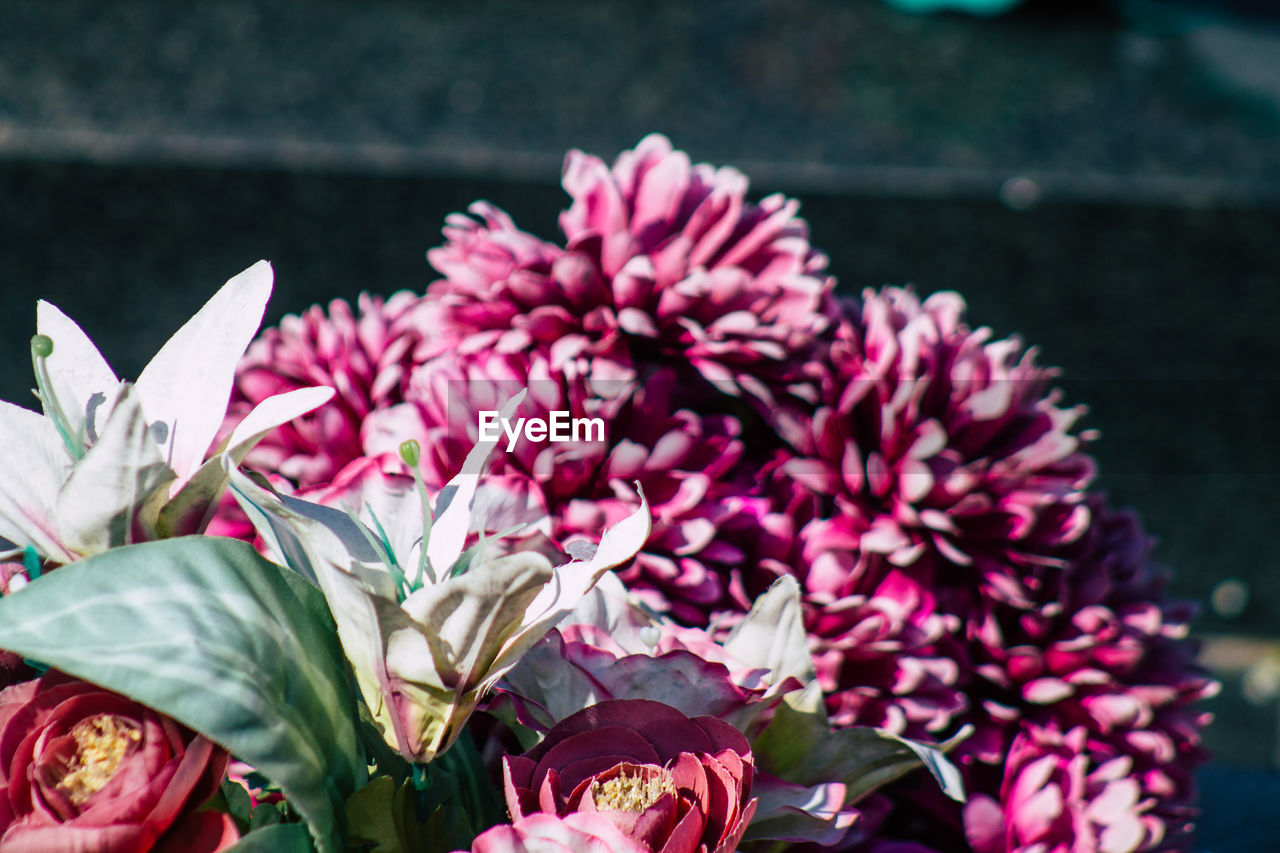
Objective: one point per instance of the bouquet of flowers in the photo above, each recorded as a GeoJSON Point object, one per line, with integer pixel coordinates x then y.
{"type": "Point", "coordinates": [644, 541]}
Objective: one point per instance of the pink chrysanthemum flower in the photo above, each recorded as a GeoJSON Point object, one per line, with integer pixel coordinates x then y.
{"type": "Point", "coordinates": [671, 287]}
{"type": "Point", "coordinates": [1065, 792]}
{"type": "Point", "coordinates": [946, 476]}
{"type": "Point", "coordinates": [885, 662]}
{"type": "Point", "coordinates": [1100, 646]}
{"type": "Point", "coordinates": [663, 254]}
{"type": "Point", "coordinates": [952, 493]}
{"type": "Point", "coordinates": [364, 354]}
{"type": "Point", "coordinates": [938, 448]}
{"type": "Point", "coordinates": [1101, 651]}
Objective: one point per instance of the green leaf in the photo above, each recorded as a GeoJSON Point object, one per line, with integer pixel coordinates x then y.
{"type": "Point", "coordinates": [385, 817]}
{"type": "Point", "coordinates": [280, 838]}
{"type": "Point", "coordinates": [236, 801]}
{"type": "Point", "coordinates": [372, 818]}
{"type": "Point", "coordinates": [792, 734]}
{"type": "Point", "coordinates": [478, 797]}
{"type": "Point", "coordinates": [207, 631]}
{"type": "Point", "coordinates": [799, 747]}
{"type": "Point", "coordinates": [264, 815]}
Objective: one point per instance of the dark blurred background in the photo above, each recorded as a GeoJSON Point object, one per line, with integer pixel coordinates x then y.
{"type": "Point", "coordinates": [1102, 178]}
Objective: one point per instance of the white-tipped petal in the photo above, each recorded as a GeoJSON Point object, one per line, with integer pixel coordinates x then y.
{"type": "Point", "coordinates": [187, 385]}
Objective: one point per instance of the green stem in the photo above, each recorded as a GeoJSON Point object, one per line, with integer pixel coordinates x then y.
{"type": "Point", "coordinates": [41, 349]}
{"type": "Point", "coordinates": [411, 454]}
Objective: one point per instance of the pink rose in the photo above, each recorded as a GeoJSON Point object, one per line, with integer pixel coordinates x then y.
{"type": "Point", "coordinates": [580, 832]}
{"type": "Point", "coordinates": [84, 769]}
{"type": "Point", "coordinates": [671, 783]}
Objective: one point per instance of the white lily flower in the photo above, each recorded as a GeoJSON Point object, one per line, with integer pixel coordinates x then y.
{"type": "Point", "coordinates": [427, 643]}
{"type": "Point", "coordinates": [109, 461]}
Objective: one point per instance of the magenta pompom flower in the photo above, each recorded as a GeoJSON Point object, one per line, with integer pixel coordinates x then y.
{"type": "Point", "coordinates": [946, 478]}
{"type": "Point", "coordinates": [663, 255]}
{"type": "Point", "coordinates": [1103, 653]}
{"type": "Point", "coordinates": [956, 569]}
{"type": "Point", "coordinates": [363, 354]}
{"type": "Point", "coordinates": [941, 453]}
{"type": "Point", "coordinates": [1061, 792]}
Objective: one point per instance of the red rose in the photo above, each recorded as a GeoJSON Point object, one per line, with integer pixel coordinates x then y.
{"type": "Point", "coordinates": [83, 769]}
{"type": "Point", "coordinates": [671, 783]}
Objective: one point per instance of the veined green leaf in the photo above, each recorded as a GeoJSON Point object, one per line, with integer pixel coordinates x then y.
{"type": "Point", "coordinates": [799, 747]}
{"type": "Point", "coordinates": [207, 631]}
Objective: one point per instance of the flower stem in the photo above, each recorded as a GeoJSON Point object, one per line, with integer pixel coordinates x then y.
{"type": "Point", "coordinates": [411, 454]}
{"type": "Point", "coordinates": [41, 349]}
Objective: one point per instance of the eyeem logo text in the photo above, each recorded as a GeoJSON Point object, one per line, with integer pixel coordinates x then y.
{"type": "Point", "coordinates": [560, 427]}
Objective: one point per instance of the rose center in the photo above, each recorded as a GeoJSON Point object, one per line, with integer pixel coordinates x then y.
{"type": "Point", "coordinates": [102, 742]}
{"type": "Point", "coordinates": [627, 793]}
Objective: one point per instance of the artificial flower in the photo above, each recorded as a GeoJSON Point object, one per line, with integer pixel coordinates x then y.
{"type": "Point", "coordinates": [611, 647]}
{"type": "Point", "coordinates": [663, 254]}
{"type": "Point", "coordinates": [82, 768]}
{"type": "Point", "coordinates": [920, 478]}
{"type": "Point", "coordinates": [674, 784]}
{"type": "Point", "coordinates": [579, 832]}
{"type": "Point", "coordinates": [1056, 796]}
{"type": "Point", "coordinates": [706, 522]}
{"type": "Point", "coordinates": [112, 462]}
{"type": "Point", "coordinates": [428, 628]}
{"type": "Point", "coordinates": [947, 476]}
{"type": "Point", "coordinates": [1102, 653]}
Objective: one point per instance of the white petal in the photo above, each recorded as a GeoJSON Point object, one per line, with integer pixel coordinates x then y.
{"type": "Point", "coordinates": [191, 503]}
{"type": "Point", "coordinates": [35, 463]}
{"type": "Point", "coordinates": [385, 502]}
{"type": "Point", "coordinates": [188, 383]}
{"type": "Point", "coordinates": [573, 581]}
{"type": "Point", "coordinates": [324, 545]}
{"type": "Point", "coordinates": [772, 635]}
{"type": "Point", "coordinates": [271, 413]}
{"type": "Point", "coordinates": [77, 370]}
{"type": "Point", "coordinates": [465, 621]}
{"type": "Point", "coordinates": [99, 502]}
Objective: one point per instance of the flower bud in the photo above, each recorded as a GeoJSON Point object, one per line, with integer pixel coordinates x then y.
{"type": "Point", "coordinates": [411, 453]}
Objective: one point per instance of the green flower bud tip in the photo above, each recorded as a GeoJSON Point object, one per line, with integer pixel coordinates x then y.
{"type": "Point", "coordinates": [411, 453]}
{"type": "Point", "coordinates": [41, 346]}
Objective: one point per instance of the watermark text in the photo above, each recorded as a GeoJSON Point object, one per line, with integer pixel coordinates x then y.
{"type": "Point", "coordinates": [558, 427]}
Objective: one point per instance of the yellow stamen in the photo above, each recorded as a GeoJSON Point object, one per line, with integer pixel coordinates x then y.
{"type": "Point", "coordinates": [626, 793]}
{"type": "Point", "coordinates": [102, 742]}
